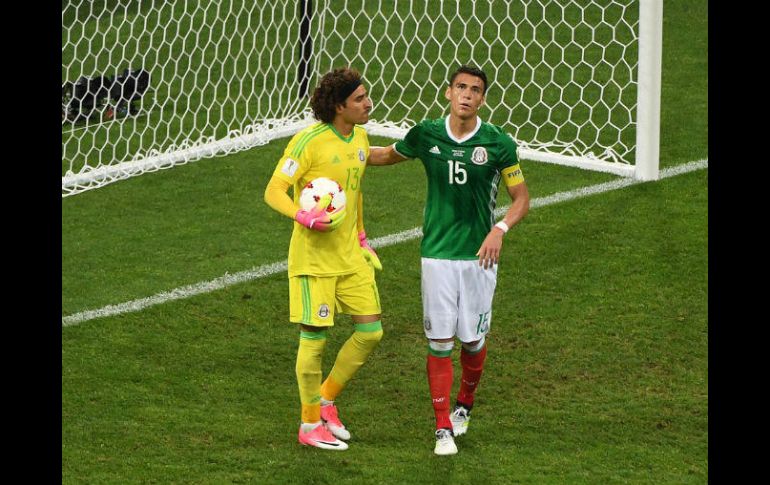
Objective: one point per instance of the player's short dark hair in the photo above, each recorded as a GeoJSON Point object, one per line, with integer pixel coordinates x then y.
{"type": "Point", "coordinates": [333, 89]}
{"type": "Point", "coordinates": [473, 71]}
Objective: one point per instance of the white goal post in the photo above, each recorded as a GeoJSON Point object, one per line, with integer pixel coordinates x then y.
{"type": "Point", "coordinates": [151, 84]}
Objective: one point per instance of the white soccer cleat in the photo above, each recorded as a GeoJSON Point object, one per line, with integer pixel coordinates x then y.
{"type": "Point", "coordinates": [320, 437]}
{"type": "Point", "coordinates": [445, 442]}
{"type": "Point", "coordinates": [460, 417]}
{"type": "Point", "coordinates": [329, 415]}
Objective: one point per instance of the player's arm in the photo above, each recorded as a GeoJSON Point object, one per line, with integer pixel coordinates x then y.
{"type": "Point", "coordinates": [369, 254]}
{"type": "Point", "coordinates": [489, 252]}
{"type": "Point", "coordinates": [399, 151]}
{"type": "Point", "coordinates": [384, 156]}
{"type": "Point", "coordinates": [277, 197]}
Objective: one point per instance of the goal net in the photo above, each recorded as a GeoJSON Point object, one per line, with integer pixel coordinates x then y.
{"type": "Point", "coordinates": [148, 85]}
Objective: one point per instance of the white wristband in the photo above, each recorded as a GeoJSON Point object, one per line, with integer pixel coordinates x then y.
{"type": "Point", "coordinates": [503, 226]}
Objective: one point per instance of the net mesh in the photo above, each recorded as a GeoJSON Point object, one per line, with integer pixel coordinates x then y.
{"type": "Point", "coordinates": [223, 75]}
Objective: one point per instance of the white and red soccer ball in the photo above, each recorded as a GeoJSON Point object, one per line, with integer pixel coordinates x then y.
{"type": "Point", "coordinates": [317, 188]}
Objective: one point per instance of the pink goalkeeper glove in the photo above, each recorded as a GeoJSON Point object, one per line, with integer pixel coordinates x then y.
{"type": "Point", "coordinates": [318, 219]}
{"type": "Point", "coordinates": [369, 255]}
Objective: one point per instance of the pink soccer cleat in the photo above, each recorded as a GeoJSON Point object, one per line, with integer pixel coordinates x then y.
{"type": "Point", "coordinates": [320, 437]}
{"type": "Point", "coordinates": [332, 421]}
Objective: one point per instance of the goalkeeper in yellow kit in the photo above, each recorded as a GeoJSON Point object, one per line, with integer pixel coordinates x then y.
{"type": "Point", "coordinates": [331, 265]}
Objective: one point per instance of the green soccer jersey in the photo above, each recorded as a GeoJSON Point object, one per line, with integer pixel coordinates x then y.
{"type": "Point", "coordinates": [463, 177]}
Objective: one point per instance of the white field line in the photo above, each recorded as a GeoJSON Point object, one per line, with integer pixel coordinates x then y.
{"type": "Point", "coordinates": [380, 242]}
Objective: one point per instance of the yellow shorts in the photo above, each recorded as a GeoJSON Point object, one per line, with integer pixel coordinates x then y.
{"type": "Point", "coordinates": [313, 300]}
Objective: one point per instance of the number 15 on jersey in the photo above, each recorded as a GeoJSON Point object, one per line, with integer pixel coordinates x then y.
{"type": "Point", "coordinates": [457, 174]}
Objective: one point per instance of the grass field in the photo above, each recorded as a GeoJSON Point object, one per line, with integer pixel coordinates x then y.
{"type": "Point", "coordinates": [598, 355]}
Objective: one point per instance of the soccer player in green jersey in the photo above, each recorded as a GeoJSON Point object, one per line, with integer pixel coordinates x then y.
{"type": "Point", "coordinates": [464, 159]}
{"type": "Point", "coordinates": [331, 265]}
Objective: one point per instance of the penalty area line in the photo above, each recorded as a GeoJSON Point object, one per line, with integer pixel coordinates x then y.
{"type": "Point", "coordinates": [380, 242]}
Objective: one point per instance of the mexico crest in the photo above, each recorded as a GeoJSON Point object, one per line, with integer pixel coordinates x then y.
{"type": "Point", "coordinates": [323, 311]}
{"type": "Point", "coordinates": [479, 156]}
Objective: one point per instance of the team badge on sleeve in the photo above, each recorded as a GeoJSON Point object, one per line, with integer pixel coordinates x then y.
{"type": "Point", "coordinates": [323, 310]}
{"type": "Point", "coordinates": [479, 156]}
{"type": "Point", "coordinates": [290, 167]}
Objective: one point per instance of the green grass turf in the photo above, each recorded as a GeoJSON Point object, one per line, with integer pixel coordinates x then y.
{"type": "Point", "coordinates": [597, 369]}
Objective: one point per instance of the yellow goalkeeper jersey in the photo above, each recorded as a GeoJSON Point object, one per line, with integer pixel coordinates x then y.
{"type": "Point", "coordinates": [321, 151]}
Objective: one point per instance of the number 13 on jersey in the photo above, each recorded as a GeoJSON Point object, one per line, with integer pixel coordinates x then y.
{"type": "Point", "coordinates": [352, 182]}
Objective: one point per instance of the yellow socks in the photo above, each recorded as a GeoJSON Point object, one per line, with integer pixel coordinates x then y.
{"type": "Point", "coordinates": [309, 354]}
{"type": "Point", "coordinates": [351, 357]}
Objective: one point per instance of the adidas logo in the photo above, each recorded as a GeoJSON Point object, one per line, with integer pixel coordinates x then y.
{"type": "Point", "coordinates": [435, 150]}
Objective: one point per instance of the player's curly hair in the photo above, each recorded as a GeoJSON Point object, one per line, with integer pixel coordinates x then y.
{"type": "Point", "coordinates": [473, 71]}
{"type": "Point", "coordinates": [333, 89]}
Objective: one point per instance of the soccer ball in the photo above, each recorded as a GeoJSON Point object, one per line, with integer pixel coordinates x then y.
{"type": "Point", "coordinates": [317, 188]}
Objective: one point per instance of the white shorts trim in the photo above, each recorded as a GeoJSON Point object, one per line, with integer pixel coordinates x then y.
{"type": "Point", "coordinates": [457, 299]}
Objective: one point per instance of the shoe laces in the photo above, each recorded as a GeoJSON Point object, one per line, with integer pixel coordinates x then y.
{"type": "Point", "coordinates": [329, 413]}
{"type": "Point", "coordinates": [323, 433]}
{"type": "Point", "coordinates": [443, 434]}
{"type": "Point", "coordinates": [330, 410]}
{"type": "Point", "coordinates": [460, 412]}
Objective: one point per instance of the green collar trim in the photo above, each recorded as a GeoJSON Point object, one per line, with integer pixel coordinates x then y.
{"type": "Point", "coordinates": [346, 140]}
